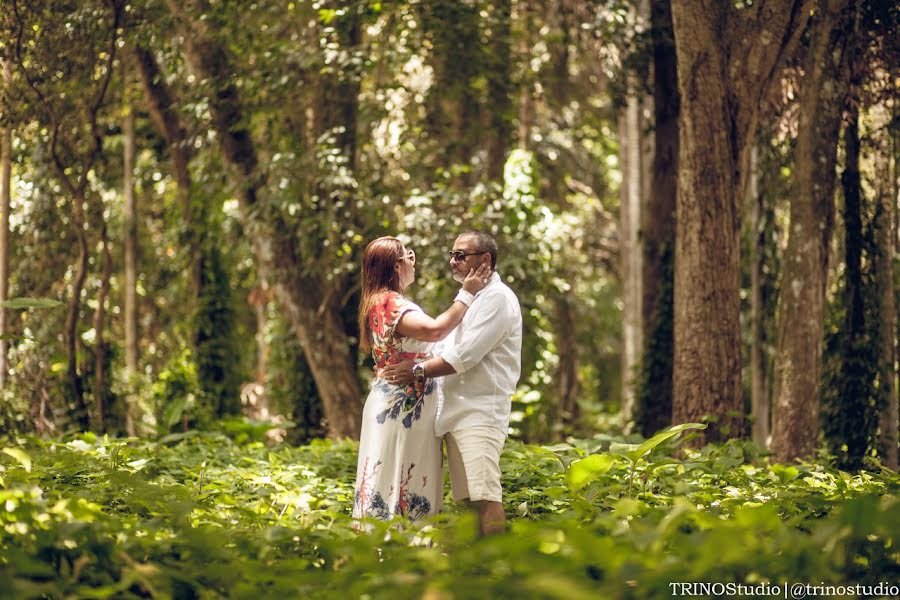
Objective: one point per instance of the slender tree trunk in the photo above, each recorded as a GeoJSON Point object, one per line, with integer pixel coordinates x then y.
{"type": "Point", "coordinates": [727, 60]}
{"type": "Point", "coordinates": [311, 302]}
{"type": "Point", "coordinates": [130, 238]}
{"type": "Point", "coordinates": [801, 327]}
{"type": "Point", "coordinates": [630, 145]}
{"type": "Point", "coordinates": [76, 387]}
{"type": "Point", "coordinates": [499, 90]}
{"type": "Point", "coordinates": [885, 235]}
{"type": "Point", "coordinates": [259, 299]}
{"type": "Point", "coordinates": [161, 105]}
{"type": "Point", "coordinates": [75, 186]}
{"type": "Point", "coordinates": [526, 87]}
{"type": "Point", "coordinates": [852, 424]}
{"type": "Point", "coordinates": [5, 203]}
{"type": "Point", "coordinates": [759, 400]}
{"type": "Point", "coordinates": [658, 231]}
{"type": "Point", "coordinates": [567, 372]}
{"type": "Point", "coordinates": [5, 197]}
{"type": "Point", "coordinates": [100, 407]}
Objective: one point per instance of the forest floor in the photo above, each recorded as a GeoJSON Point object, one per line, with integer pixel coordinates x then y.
{"type": "Point", "coordinates": [215, 515]}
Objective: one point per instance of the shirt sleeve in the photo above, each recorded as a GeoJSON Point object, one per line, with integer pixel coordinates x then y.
{"type": "Point", "coordinates": [490, 323]}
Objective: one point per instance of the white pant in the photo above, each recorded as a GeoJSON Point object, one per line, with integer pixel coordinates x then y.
{"type": "Point", "coordinates": [473, 455]}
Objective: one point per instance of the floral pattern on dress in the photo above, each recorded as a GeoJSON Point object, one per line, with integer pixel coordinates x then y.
{"type": "Point", "coordinates": [399, 471]}
{"type": "Point", "coordinates": [383, 319]}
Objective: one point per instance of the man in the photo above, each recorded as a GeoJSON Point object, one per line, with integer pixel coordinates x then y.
{"type": "Point", "coordinates": [480, 364]}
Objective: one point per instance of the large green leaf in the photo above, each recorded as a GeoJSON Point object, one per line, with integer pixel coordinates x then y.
{"type": "Point", "coordinates": [584, 471]}
{"type": "Point", "coordinates": [21, 456]}
{"type": "Point", "coordinates": [648, 445]}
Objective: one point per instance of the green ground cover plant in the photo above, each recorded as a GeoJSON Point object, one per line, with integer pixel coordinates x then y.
{"type": "Point", "coordinates": [199, 515]}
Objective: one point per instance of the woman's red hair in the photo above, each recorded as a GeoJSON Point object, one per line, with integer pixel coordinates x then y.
{"type": "Point", "coordinates": [378, 276]}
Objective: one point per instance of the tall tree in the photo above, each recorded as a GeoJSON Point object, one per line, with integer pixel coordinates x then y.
{"type": "Point", "coordinates": [885, 234]}
{"type": "Point", "coordinates": [5, 202]}
{"type": "Point", "coordinates": [728, 57]}
{"type": "Point", "coordinates": [500, 88]}
{"type": "Point", "coordinates": [658, 231]}
{"type": "Point", "coordinates": [759, 399]}
{"type": "Point", "coordinates": [801, 321]}
{"type": "Point", "coordinates": [130, 246]}
{"type": "Point", "coordinates": [312, 299]}
{"type": "Point", "coordinates": [631, 134]}
{"type": "Point", "coordinates": [100, 360]}
{"type": "Point", "coordinates": [849, 414]}
{"type": "Point", "coordinates": [84, 48]}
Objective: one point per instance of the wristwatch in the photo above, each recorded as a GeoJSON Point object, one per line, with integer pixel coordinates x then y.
{"type": "Point", "coordinates": [419, 372]}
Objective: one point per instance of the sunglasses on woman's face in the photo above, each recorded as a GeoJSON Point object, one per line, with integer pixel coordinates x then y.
{"type": "Point", "coordinates": [459, 255]}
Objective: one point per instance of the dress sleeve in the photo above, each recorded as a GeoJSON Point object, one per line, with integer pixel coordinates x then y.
{"type": "Point", "coordinates": [386, 314]}
{"type": "Point", "coordinates": [399, 307]}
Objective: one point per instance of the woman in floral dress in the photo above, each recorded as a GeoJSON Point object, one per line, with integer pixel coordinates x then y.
{"type": "Point", "coordinates": [400, 466]}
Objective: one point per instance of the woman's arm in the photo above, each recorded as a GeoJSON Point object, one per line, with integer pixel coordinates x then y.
{"type": "Point", "coordinates": [419, 326]}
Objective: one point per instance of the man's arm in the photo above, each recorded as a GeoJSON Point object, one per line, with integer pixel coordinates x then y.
{"type": "Point", "coordinates": [402, 373]}
{"type": "Point", "coordinates": [482, 334]}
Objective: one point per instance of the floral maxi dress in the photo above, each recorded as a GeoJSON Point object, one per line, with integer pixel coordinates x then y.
{"type": "Point", "coordinates": [400, 469]}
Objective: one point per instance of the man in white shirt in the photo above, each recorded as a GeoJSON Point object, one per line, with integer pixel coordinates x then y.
{"type": "Point", "coordinates": [480, 364]}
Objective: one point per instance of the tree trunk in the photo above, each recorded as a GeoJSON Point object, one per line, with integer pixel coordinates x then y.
{"type": "Point", "coordinates": [727, 59]}
{"type": "Point", "coordinates": [100, 407]}
{"type": "Point", "coordinates": [630, 145]}
{"type": "Point", "coordinates": [759, 400]}
{"type": "Point", "coordinates": [130, 238]}
{"type": "Point", "coordinates": [5, 202]}
{"type": "Point", "coordinates": [76, 185]}
{"type": "Point", "coordinates": [566, 378]}
{"type": "Point", "coordinates": [311, 301]}
{"type": "Point", "coordinates": [5, 197]}
{"type": "Point", "coordinates": [76, 387]}
{"type": "Point", "coordinates": [658, 231]}
{"type": "Point", "coordinates": [161, 105]}
{"type": "Point", "coordinates": [801, 327]}
{"type": "Point", "coordinates": [851, 423]}
{"type": "Point", "coordinates": [499, 90]}
{"type": "Point", "coordinates": [885, 234]}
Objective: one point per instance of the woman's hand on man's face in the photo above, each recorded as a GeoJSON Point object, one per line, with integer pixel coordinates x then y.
{"type": "Point", "coordinates": [477, 278]}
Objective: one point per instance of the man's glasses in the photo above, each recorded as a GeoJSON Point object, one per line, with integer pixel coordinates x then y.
{"type": "Point", "coordinates": [459, 255]}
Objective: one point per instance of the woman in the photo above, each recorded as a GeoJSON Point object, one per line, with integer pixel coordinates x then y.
{"type": "Point", "coordinates": [400, 470]}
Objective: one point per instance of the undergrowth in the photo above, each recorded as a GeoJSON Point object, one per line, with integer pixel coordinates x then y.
{"type": "Point", "coordinates": [198, 515]}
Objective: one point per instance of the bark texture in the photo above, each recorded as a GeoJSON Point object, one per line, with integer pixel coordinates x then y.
{"type": "Point", "coordinates": [130, 237]}
{"type": "Point", "coordinates": [658, 231]}
{"type": "Point", "coordinates": [630, 145]}
{"type": "Point", "coordinates": [885, 236]}
{"type": "Point", "coordinates": [727, 60]}
{"type": "Point", "coordinates": [100, 407]}
{"type": "Point", "coordinates": [759, 400]}
{"type": "Point", "coordinates": [5, 198]}
{"type": "Point", "coordinates": [801, 319]}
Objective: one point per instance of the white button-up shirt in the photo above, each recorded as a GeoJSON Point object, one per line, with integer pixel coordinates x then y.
{"type": "Point", "coordinates": [485, 349]}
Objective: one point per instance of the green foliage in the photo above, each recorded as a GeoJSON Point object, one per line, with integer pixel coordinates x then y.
{"type": "Point", "coordinates": [584, 471]}
{"type": "Point", "coordinates": [289, 384]}
{"type": "Point", "coordinates": [174, 394]}
{"type": "Point", "coordinates": [196, 515]}
{"type": "Point", "coordinates": [217, 353]}
{"type": "Point", "coordinates": [653, 395]}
